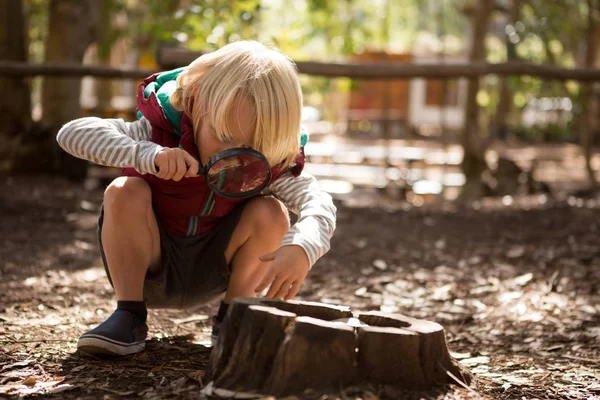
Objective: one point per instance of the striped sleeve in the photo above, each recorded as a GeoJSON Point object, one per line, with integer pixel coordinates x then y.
{"type": "Point", "coordinates": [316, 213]}
{"type": "Point", "coordinates": [111, 142]}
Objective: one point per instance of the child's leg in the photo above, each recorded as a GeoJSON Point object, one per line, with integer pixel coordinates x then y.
{"type": "Point", "coordinates": [130, 236]}
{"type": "Point", "coordinates": [131, 244]}
{"type": "Point", "coordinates": [260, 230]}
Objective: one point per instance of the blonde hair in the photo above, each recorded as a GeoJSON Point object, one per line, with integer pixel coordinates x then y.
{"type": "Point", "coordinates": [214, 83]}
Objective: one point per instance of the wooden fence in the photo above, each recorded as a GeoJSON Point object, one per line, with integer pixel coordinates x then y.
{"type": "Point", "coordinates": [371, 70]}
{"type": "Point", "coordinates": [381, 70]}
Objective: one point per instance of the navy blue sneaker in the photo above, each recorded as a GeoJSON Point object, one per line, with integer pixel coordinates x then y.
{"type": "Point", "coordinates": [121, 334]}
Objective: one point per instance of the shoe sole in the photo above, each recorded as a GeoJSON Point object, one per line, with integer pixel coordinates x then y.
{"type": "Point", "coordinates": [96, 344]}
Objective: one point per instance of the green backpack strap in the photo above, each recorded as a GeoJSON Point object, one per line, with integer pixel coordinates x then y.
{"type": "Point", "coordinates": [303, 136]}
{"type": "Point", "coordinates": [163, 87]}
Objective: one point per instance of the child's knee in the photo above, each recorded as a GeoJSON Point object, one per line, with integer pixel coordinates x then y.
{"type": "Point", "coordinates": [127, 195]}
{"type": "Point", "coordinates": [268, 213]}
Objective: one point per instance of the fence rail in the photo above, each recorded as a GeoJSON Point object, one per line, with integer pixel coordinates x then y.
{"type": "Point", "coordinates": [350, 70]}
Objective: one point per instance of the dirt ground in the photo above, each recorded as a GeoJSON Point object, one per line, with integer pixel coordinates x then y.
{"type": "Point", "coordinates": [516, 287]}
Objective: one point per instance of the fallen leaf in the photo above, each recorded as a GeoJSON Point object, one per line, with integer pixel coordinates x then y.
{"type": "Point", "coordinates": [460, 356]}
{"type": "Point", "coordinates": [192, 318]}
{"type": "Point", "coordinates": [61, 388]}
{"type": "Point", "coordinates": [19, 364]}
{"type": "Point", "coordinates": [594, 387]}
{"type": "Point", "coordinates": [197, 375]}
{"type": "Point", "coordinates": [516, 252]}
{"type": "Point", "coordinates": [29, 381]}
{"type": "Point", "coordinates": [523, 279]}
{"type": "Point", "coordinates": [79, 368]}
{"type": "Point", "coordinates": [380, 264]}
{"type": "Point", "coordinates": [475, 361]}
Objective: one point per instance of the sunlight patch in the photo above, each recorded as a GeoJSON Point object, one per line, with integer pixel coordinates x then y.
{"type": "Point", "coordinates": [90, 275]}
{"type": "Point", "coordinates": [337, 187]}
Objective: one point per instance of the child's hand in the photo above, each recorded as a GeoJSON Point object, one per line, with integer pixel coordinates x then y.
{"type": "Point", "coordinates": [288, 269]}
{"type": "Point", "coordinates": [175, 163]}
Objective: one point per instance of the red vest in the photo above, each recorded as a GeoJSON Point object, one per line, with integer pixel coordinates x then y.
{"type": "Point", "coordinates": [187, 207]}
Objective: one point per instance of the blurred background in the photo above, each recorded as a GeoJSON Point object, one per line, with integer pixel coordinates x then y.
{"type": "Point", "coordinates": [429, 134]}
{"type": "Point", "coordinates": [459, 139]}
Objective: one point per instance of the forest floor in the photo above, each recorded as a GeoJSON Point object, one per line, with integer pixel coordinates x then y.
{"type": "Point", "coordinates": [516, 287]}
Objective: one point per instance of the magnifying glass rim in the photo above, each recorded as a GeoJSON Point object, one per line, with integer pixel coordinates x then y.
{"type": "Point", "coordinates": [234, 152]}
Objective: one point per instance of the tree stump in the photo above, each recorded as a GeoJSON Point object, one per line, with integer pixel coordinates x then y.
{"type": "Point", "coordinates": [261, 334]}
{"type": "Point", "coordinates": [316, 354]}
{"type": "Point", "coordinates": [280, 348]}
{"type": "Point", "coordinates": [398, 350]}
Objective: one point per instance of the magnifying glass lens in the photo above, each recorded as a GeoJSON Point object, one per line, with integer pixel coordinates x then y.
{"type": "Point", "coordinates": [238, 175]}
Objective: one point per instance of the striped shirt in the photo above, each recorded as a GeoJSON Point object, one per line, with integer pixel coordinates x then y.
{"type": "Point", "coordinates": [116, 143]}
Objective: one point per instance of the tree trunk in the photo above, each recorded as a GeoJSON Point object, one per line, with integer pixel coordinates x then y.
{"type": "Point", "coordinates": [72, 28]}
{"type": "Point", "coordinates": [15, 101]}
{"type": "Point", "coordinates": [103, 87]}
{"type": "Point", "coordinates": [587, 117]}
{"type": "Point", "coordinates": [473, 163]}
{"type": "Point", "coordinates": [500, 126]}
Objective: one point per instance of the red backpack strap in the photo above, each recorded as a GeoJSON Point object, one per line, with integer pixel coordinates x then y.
{"type": "Point", "coordinates": [295, 169]}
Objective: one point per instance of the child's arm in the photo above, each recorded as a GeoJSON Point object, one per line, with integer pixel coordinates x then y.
{"type": "Point", "coordinates": [316, 213]}
{"type": "Point", "coordinates": [305, 242]}
{"type": "Point", "coordinates": [111, 142]}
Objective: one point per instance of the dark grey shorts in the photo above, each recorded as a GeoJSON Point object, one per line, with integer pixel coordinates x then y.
{"type": "Point", "coordinates": [193, 269]}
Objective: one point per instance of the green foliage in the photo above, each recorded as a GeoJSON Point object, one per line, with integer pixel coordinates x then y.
{"type": "Point", "coordinates": [550, 133]}
{"type": "Point", "coordinates": [548, 31]}
{"type": "Point", "coordinates": [316, 29]}
{"type": "Point", "coordinates": [202, 25]}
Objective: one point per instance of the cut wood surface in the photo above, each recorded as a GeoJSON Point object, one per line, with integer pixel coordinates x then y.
{"type": "Point", "coordinates": [281, 348]}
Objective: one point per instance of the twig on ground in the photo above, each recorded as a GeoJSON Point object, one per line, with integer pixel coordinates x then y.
{"type": "Point", "coordinates": [458, 381]}
{"type": "Point", "coordinates": [35, 340]}
{"type": "Point", "coordinates": [591, 360]}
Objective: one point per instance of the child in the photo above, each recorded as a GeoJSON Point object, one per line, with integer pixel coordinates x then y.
{"type": "Point", "coordinates": [188, 219]}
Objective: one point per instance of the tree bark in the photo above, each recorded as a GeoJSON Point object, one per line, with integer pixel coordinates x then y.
{"type": "Point", "coordinates": [473, 163]}
{"type": "Point", "coordinates": [15, 101]}
{"type": "Point", "coordinates": [317, 354]}
{"type": "Point", "coordinates": [230, 330]}
{"type": "Point", "coordinates": [587, 124]}
{"type": "Point", "coordinates": [283, 348]}
{"type": "Point", "coordinates": [425, 360]}
{"type": "Point", "coordinates": [103, 87]}
{"type": "Point", "coordinates": [261, 333]}
{"type": "Point", "coordinates": [73, 27]}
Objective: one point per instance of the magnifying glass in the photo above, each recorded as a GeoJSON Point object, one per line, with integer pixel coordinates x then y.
{"type": "Point", "coordinates": [237, 173]}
